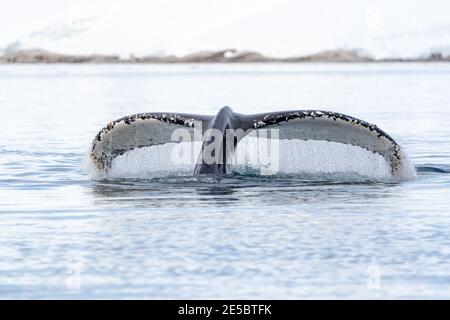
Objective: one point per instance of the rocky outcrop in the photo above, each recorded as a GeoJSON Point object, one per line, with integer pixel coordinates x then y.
{"type": "Point", "coordinates": [221, 56]}
{"type": "Point", "coordinates": [41, 56]}
{"type": "Point", "coordinates": [438, 56]}
{"type": "Point", "coordinates": [232, 55]}
{"type": "Point", "coordinates": [335, 56]}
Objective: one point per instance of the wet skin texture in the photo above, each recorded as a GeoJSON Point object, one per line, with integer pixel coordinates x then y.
{"type": "Point", "coordinates": [225, 120]}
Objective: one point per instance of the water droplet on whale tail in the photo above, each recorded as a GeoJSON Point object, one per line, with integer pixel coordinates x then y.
{"type": "Point", "coordinates": [141, 144]}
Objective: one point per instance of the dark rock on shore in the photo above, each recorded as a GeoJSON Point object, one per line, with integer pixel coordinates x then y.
{"type": "Point", "coordinates": [221, 56]}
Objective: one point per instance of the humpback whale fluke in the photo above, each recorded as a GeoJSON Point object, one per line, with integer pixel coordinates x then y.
{"type": "Point", "coordinates": [149, 129]}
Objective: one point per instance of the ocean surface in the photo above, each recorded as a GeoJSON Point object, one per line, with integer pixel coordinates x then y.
{"type": "Point", "coordinates": [330, 230]}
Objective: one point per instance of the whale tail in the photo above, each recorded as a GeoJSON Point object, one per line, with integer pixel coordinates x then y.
{"type": "Point", "coordinates": [220, 134]}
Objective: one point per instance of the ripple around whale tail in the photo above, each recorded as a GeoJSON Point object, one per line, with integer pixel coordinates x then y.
{"type": "Point", "coordinates": [310, 160]}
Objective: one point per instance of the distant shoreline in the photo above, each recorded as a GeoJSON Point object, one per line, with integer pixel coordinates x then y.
{"type": "Point", "coordinates": [220, 56]}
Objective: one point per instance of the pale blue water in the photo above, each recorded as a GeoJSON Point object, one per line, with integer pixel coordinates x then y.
{"type": "Point", "coordinates": [63, 235]}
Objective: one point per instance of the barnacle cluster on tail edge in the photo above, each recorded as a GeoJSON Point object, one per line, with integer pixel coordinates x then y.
{"type": "Point", "coordinates": [103, 161]}
{"type": "Point", "coordinates": [393, 157]}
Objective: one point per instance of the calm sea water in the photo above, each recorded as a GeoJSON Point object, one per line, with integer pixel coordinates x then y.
{"type": "Point", "coordinates": [66, 235]}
